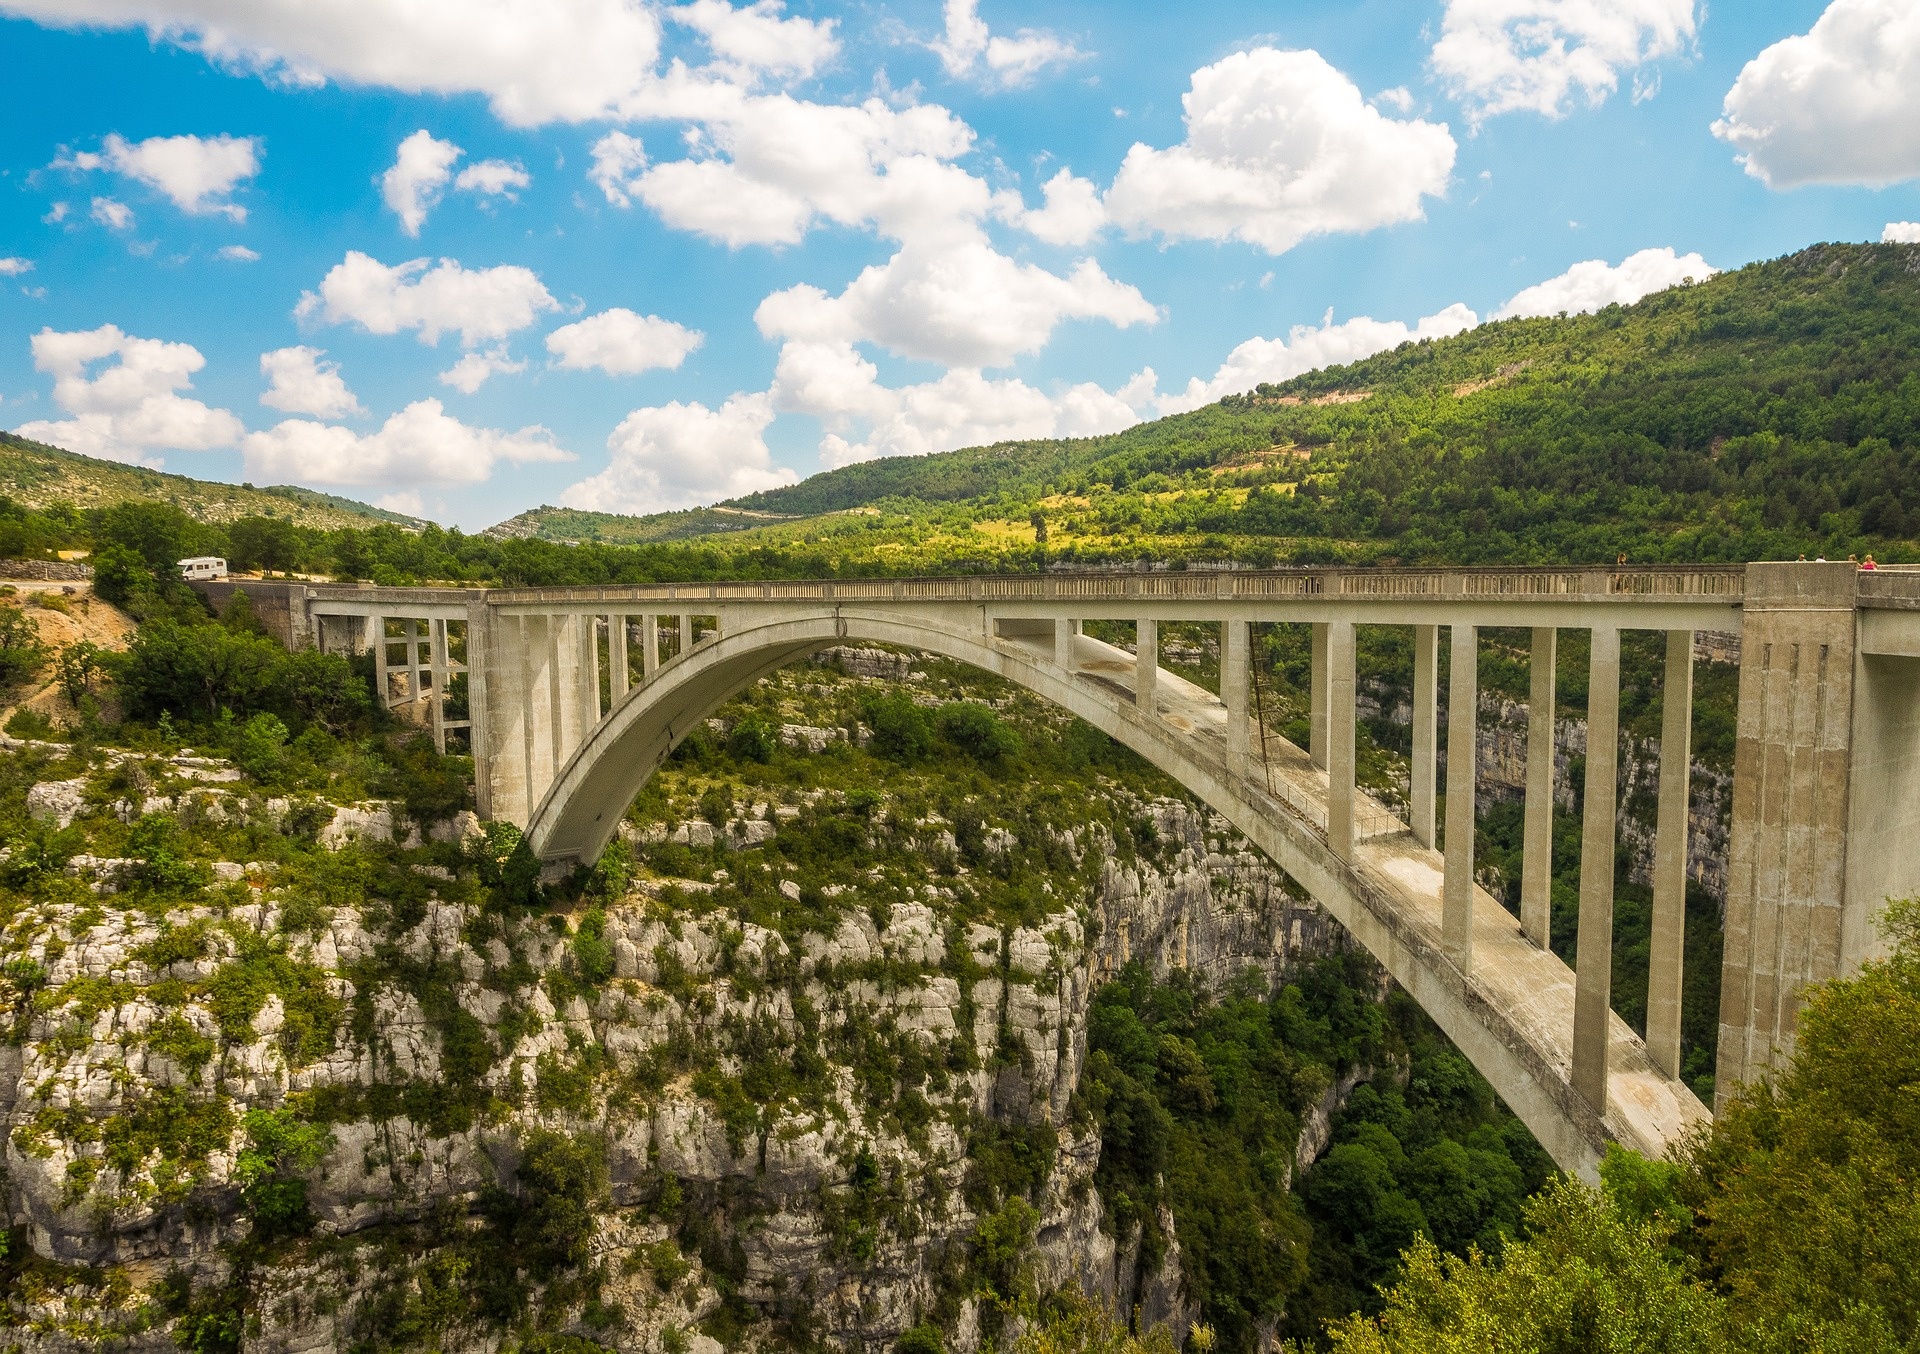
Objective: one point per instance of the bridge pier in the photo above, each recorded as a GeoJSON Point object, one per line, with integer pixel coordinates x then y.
{"type": "Point", "coordinates": [1425, 759]}
{"type": "Point", "coordinates": [1536, 858]}
{"type": "Point", "coordinates": [1463, 700]}
{"type": "Point", "coordinates": [1669, 939]}
{"type": "Point", "coordinates": [1593, 966]}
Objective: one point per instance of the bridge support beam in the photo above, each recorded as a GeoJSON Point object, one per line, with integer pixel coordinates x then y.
{"type": "Point", "coordinates": [1063, 632]}
{"type": "Point", "coordinates": [1456, 892]}
{"type": "Point", "coordinates": [1426, 730]}
{"type": "Point", "coordinates": [1789, 907]}
{"type": "Point", "coordinates": [1317, 712]}
{"type": "Point", "coordinates": [1536, 858]}
{"type": "Point", "coordinates": [1235, 673]}
{"type": "Point", "coordinates": [1666, 963]}
{"type": "Point", "coordinates": [588, 674]}
{"type": "Point", "coordinates": [649, 646]}
{"type": "Point", "coordinates": [619, 676]}
{"type": "Point", "coordinates": [537, 646]}
{"type": "Point", "coordinates": [1593, 967]}
{"type": "Point", "coordinates": [1146, 663]}
{"type": "Point", "coordinates": [1340, 739]}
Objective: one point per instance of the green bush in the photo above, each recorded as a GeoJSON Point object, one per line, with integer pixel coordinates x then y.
{"type": "Point", "coordinates": [753, 738]}
{"type": "Point", "coordinates": [977, 731]}
{"type": "Point", "coordinates": [902, 730]}
{"type": "Point", "coordinates": [561, 1179]}
{"type": "Point", "coordinates": [259, 748]}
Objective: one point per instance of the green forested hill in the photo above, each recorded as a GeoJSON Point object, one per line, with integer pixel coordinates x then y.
{"type": "Point", "coordinates": [38, 476]}
{"type": "Point", "coordinates": [1767, 411]}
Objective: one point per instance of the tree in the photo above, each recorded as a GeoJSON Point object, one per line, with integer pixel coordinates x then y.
{"type": "Point", "coordinates": [76, 667]}
{"type": "Point", "coordinates": [264, 543]}
{"type": "Point", "coordinates": [120, 575]}
{"type": "Point", "coordinates": [902, 732]}
{"type": "Point", "coordinates": [21, 652]}
{"type": "Point", "coordinates": [198, 669]}
{"type": "Point", "coordinates": [1583, 1278]}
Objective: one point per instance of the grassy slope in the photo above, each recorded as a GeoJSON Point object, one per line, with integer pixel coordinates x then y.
{"type": "Point", "coordinates": [1765, 410]}
{"type": "Point", "coordinates": [37, 475]}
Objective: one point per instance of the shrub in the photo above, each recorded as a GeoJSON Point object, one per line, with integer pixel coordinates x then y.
{"type": "Point", "coordinates": [21, 652]}
{"type": "Point", "coordinates": [753, 739]}
{"type": "Point", "coordinates": [902, 731]}
{"type": "Point", "coordinates": [977, 731]}
{"type": "Point", "coordinates": [259, 747]}
{"type": "Point", "coordinates": [560, 1180]}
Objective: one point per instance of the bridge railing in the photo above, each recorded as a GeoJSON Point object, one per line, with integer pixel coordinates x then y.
{"type": "Point", "coordinates": [1719, 583]}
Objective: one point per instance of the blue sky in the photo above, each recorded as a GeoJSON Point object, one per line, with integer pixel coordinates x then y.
{"type": "Point", "coordinates": [466, 256]}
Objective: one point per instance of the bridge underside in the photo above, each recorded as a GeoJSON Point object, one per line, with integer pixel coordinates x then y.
{"type": "Point", "coordinates": [1510, 1009]}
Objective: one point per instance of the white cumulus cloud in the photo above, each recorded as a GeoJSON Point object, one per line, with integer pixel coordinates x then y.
{"type": "Point", "coordinates": [1901, 232]}
{"type": "Point", "coordinates": [961, 304]}
{"type": "Point", "coordinates": [482, 304]}
{"type": "Point", "coordinates": [758, 39]}
{"type": "Point", "coordinates": [197, 173]}
{"type": "Point", "coordinates": [130, 408]}
{"type": "Point", "coordinates": [1073, 213]}
{"type": "Point", "coordinates": [768, 166]}
{"type": "Point", "coordinates": [15, 266]}
{"type": "Point", "coordinates": [969, 45]}
{"type": "Point", "coordinates": [1837, 104]}
{"type": "Point", "coordinates": [1280, 146]}
{"type": "Point", "coordinates": [237, 253]}
{"type": "Point", "coordinates": [473, 370]}
{"type": "Point", "coordinates": [1307, 348]}
{"type": "Point", "coordinates": [617, 162]}
{"type": "Point", "coordinates": [493, 178]}
{"type": "Point", "coordinates": [421, 170]}
{"type": "Point", "coordinates": [535, 61]}
{"type": "Point", "coordinates": [1595, 283]}
{"type": "Point", "coordinates": [682, 455]}
{"type": "Point", "coordinates": [1504, 56]}
{"type": "Point", "coordinates": [422, 444]}
{"type": "Point", "coordinates": [300, 383]}
{"type": "Point", "coordinates": [621, 343]}
{"type": "Point", "coordinates": [864, 419]}
{"type": "Point", "coordinates": [112, 214]}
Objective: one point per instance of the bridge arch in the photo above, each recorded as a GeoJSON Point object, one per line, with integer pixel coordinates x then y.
{"type": "Point", "coordinates": [1512, 1014]}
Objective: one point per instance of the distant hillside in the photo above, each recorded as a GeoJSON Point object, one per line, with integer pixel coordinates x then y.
{"type": "Point", "coordinates": [574, 525]}
{"type": "Point", "coordinates": [1768, 410]}
{"type": "Point", "coordinates": [37, 475]}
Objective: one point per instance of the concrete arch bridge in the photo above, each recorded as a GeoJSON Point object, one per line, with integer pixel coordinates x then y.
{"type": "Point", "coordinates": [1826, 817]}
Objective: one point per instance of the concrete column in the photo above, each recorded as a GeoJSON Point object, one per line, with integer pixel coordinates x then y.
{"type": "Point", "coordinates": [1317, 687]}
{"type": "Point", "coordinates": [537, 654]}
{"type": "Point", "coordinates": [481, 679]}
{"type": "Point", "coordinates": [1593, 971]}
{"type": "Point", "coordinates": [1456, 890]}
{"type": "Point", "coordinates": [1340, 742]}
{"type": "Point", "coordinates": [620, 678]}
{"type": "Point", "coordinates": [1063, 633]}
{"type": "Point", "coordinates": [1146, 663]}
{"type": "Point", "coordinates": [1789, 907]}
{"type": "Point", "coordinates": [1536, 860]}
{"type": "Point", "coordinates": [377, 636]}
{"type": "Point", "coordinates": [1426, 726]}
{"type": "Point", "coordinates": [649, 646]}
{"type": "Point", "coordinates": [1235, 664]}
{"type": "Point", "coordinates": [563, 650]}
{"type": "Point", "coordinates": [413, 629]}
{"type": "Point", "coordinates": [1670, 856]}
{"type": "Point", "coordinates": [686, 631]}
{"type": "Point", "coordinates": [437, 657]}
{"type": "Point", "coordinates": [589, 673]}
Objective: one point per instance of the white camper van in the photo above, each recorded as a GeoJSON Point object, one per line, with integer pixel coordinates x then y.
{"type": "Point", "coordinates": [203, 566]}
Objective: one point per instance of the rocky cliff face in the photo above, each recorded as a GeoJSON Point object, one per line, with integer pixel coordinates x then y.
{"type": "Point", "coordinates": [758, 1131]}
